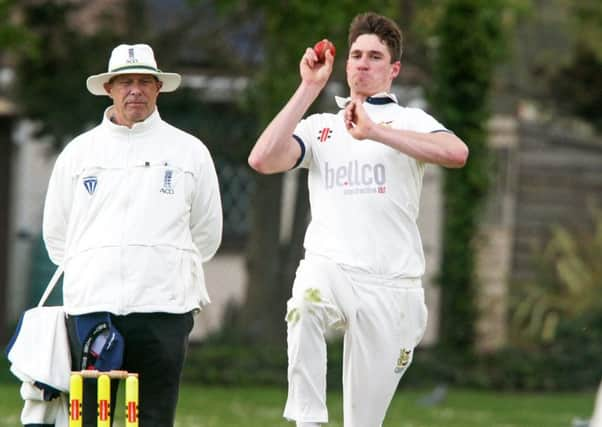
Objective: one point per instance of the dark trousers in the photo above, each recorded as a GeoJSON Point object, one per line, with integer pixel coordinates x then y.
{"type": "Point", "coordinates": [155, 348]}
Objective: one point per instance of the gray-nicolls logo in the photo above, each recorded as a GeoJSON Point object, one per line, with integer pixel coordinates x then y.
{"type": "Point", "coordinates": [356, 176]}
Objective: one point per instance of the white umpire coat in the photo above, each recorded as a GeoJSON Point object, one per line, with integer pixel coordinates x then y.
{"type": "Point", "coordinates": [132, 214]}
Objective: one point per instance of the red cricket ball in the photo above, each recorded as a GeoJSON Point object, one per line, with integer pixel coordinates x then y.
{"type": "Point", "coordinates": [320, 49]}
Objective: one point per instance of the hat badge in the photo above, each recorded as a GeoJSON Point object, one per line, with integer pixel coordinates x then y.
{"type": "Point", "coordinates": [131, 58]}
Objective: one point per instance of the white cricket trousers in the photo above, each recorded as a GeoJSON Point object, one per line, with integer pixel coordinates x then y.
{"type": "Point", "coordinates": [382, 321]}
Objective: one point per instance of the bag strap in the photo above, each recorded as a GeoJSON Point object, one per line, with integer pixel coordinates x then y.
{"type": "Point", "coordinates": [53, 281]}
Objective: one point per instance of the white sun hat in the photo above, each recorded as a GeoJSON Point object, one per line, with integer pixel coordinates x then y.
{"type": "Point", "coordinates": [132, 59]}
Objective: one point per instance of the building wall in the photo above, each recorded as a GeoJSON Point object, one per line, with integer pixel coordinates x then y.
{"type": "Point", "coordinates": [33, 161]}
{"type": "Point", "coordinates": [541, 178]}
{"type": "Point", "coordinates": [430, 223]}
{"type": "Point", "coordinates": [226, 280]}
{"type": "Point", "coordinates": [559, 179]}
{"type": "Point", "coordinates": [495, 236]}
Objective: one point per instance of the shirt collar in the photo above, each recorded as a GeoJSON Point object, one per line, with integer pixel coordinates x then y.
{"type": "Point", "coordinates": [377, 99]}
{"type": "Point", "coordinates": [139, 127]}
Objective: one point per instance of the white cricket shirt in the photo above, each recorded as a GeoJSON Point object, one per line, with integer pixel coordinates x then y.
{"type": "Point", "coordinates": [364, 195]}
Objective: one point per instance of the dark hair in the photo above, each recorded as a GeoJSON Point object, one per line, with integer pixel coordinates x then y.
{"type": "Point", "coordinates": [384, 28]}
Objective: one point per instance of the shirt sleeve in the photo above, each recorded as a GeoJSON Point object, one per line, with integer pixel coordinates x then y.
{"type": "Point", "coordinates": [419, 121]}
{"type": "Point", "coordinates": [303, 134]}
{"type": "Point", "coordinates": [57, 205]}
{"type": "Point", "coordinates": [206, 220]}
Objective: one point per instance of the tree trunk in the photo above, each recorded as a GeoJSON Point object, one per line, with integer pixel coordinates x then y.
{"type": "Point", "coordinates": [272, 263]}
{"type": "Point", "coordinates": [294, 249]}
{"type": "Point", "coordinates": [5, 184]}
{"type": "Point", "coordinates": [263, 312]}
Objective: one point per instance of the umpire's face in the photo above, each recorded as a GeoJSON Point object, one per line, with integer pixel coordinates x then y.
{"type": "Point", "coordinates": [134, 97]}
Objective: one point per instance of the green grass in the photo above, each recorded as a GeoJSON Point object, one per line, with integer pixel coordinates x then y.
{"type": "Point", "coordinates": [201, 406]}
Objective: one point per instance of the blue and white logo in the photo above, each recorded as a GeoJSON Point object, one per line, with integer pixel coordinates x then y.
{"type": "Point", "coordinates": [90, 184]}
{"type": "Point", "coordinates": [167, 182]}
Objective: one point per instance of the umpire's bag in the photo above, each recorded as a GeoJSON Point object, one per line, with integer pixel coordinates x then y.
{"type": "Point", "coordinates": [95, 342]}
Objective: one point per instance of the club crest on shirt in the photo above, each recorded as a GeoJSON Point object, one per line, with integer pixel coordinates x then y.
{"type": "Point", "coordinates": [90, 183]}
{"type": "Point", "coordinates": [167, 182]}
{"type": "Point", "coordinates": [403, 360]}
{"type": "Point", "coordinates": [324, 134]}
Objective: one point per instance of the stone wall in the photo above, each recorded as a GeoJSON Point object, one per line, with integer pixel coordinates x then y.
{"type": "Point", "coordinates": [495, 237]}
{"type": "Point", "coordinates": [541, 178]}
{"type": "Point", "coordinates": [559, 177]}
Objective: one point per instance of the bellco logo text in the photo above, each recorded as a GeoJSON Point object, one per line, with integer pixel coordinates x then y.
{"type": "Point", "coordinates": [356, 177]}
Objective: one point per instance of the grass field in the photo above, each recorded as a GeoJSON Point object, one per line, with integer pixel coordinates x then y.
{"type": "Point", "coordinates": [262, 407]}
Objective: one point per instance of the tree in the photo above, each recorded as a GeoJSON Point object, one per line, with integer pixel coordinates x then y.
{"type": "Point", "coordinates": [50, 85]}
{"type": "Point", "coordinates": [576, 87]}
{"type": "Point", "coordinates": [469, 40]}
{"type": "Point", "coordinates": [14, 39]}
{"type": "Point", "coordinates": [13, 36]}
{"type": "Point", "coordinates": [586, 19]}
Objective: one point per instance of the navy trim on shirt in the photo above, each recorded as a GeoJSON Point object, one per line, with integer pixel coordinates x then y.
{"type": "Point", "coordinates": [381, 100]}
{"type": "Point", "coordinates": [302, 145]}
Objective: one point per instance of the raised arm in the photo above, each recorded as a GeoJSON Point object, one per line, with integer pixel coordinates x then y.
{"type": "Point", "coordinates": [276, 150]}
{"type": "Point", "coordinates": [441, 148]}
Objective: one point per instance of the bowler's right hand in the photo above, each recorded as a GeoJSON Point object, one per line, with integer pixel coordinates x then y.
{"type": "Point", "coordinates": [315, 72]}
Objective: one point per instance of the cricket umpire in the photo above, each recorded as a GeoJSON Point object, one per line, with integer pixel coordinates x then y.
{"type": "Point", "coordinates": [132, 212]}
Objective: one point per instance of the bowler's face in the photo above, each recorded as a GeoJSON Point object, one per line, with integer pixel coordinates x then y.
{"type": "Point", "coordinates": [369, 67]}
{"type": "Point", "coordinates": [134, 97]}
